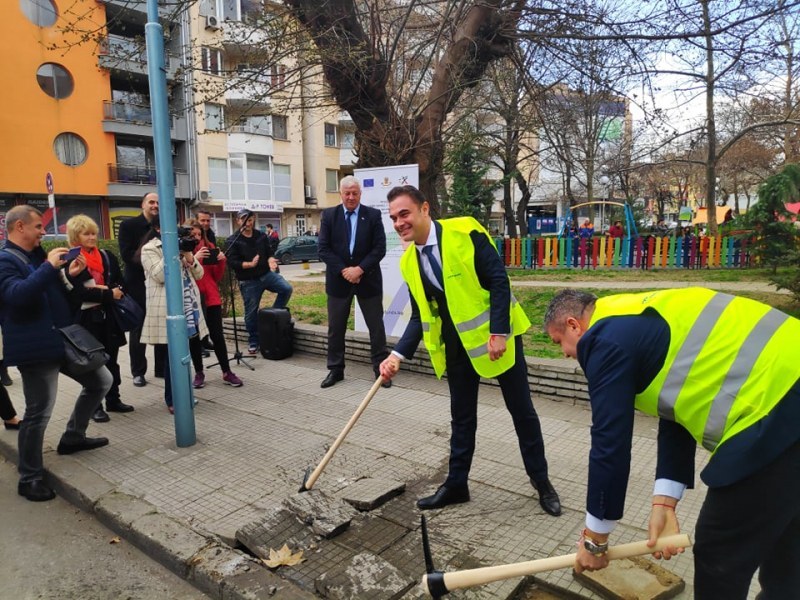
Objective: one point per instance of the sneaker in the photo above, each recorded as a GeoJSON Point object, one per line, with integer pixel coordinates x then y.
{"type": "Point", "coordinates": [253, 350]}
{"type": "Point", "coordinates": [199, 381]}
{"type": "Point", "coordinates": [231, 379]}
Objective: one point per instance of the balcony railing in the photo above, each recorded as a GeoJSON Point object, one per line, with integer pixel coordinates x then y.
{"type": "Point", "coordinates": [128, 49]}
{"type": "Point", "coordinates": [135, 174]}
{"type": "Point", "coordinates": [116, 110]}
{"type": "Point", "coordinates": [248, 128]}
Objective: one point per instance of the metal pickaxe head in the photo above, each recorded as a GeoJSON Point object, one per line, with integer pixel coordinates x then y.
{"type": "Point", "coordinates": [433, 580]}
{"type": "Point", "coordinates": [303, 487]}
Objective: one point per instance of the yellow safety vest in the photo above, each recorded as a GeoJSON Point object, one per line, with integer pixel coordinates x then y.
{"type": "Point", "coordinates": [467, 301]}
{"type": "Point", "coordinates": [727, 365]}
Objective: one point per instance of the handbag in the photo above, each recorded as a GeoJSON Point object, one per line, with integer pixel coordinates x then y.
{"type": "Point", "coordinates": [82, 350]}
{"type": "Point", "coordinates": [128, 314]}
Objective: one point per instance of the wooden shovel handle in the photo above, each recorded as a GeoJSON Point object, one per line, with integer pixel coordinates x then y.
{"type": "Point", "coordinates": [338, 442]}
{"type": "Point", "coordinates": [472, 577]}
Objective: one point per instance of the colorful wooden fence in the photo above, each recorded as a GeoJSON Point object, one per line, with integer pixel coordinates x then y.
{"type": "Point", "coordinates": [648, 252]}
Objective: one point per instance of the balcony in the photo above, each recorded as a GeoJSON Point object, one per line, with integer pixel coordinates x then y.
{"type": "Point", "coordinates": [135, 119]}
{"type": "Point", "coordinates": [129, 55]}
{"type": "Point", "coordinates": [128, 180]}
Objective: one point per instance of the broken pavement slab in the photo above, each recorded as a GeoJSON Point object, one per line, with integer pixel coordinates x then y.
{"type": "Point", "coordinates": [365, 576]}
{"type": "Point", "coordinates": [370, 493]}
{"type": "Point", "coordinates": [327, 516]}
{"type": "Point", "coordinates": [634, 578]}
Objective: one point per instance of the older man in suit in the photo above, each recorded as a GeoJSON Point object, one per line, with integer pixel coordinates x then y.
{"type": "Point", "coordinates": [352, 243]}
{"type": "Point", "coordinates": [463, 309]}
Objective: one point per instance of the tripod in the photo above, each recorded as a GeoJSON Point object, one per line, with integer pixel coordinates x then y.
{"type": "Point", "coordinates": [237, 354]}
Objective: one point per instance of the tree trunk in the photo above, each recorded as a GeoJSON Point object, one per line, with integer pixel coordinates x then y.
{"type": "Point", "coordinates": [522, 207]}
{"type": "Point", "coordinates": [711, 125]}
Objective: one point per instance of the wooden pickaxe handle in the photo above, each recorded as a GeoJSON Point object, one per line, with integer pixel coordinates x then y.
{"type": "Point", "coordinates": [456, 580]}
{"type": "Point", "coordinates": [309, 482]}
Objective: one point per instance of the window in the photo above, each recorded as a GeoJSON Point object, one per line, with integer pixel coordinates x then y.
{"type": "Point", "coordinates": [54, 80]}
{"type": "Point", "coordinates": [218, 178]}
{"type": "Point", "coordinates": [211, 60]}
{"type": "Point", "coordinates": [39, 12]}
{"type": "Point", "coordinates": [330, 135]}
{"type": "Point", "coordinates": [280, 127]}
{"type": "Point", "coordinates": [331, 180]}
{"type": "Point", "coordinates": [238, 188]}
{"type": "Point", "coordinates": [348, 140]}
{"type": "Point", "coordinates": [258, 177]}
{"type": "Point", "coordinates": [229, 10]}
{"type": "Point", "coordinates": [283, 183]}
{"type": "Point", "coordinates": [215, 117]}
{"type": "Point", "coordinates": [277, 77]}
{"type": "Point", "coordinates": [70, 149]}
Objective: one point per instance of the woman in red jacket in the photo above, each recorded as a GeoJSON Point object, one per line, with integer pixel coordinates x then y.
{"type": "Point", "coordinates": [214, 269]}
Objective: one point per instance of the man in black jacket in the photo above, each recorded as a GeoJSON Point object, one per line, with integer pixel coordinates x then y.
{"type": "Point", "coordinates": [34, 305]}
{"type": "Point", "coordinates": [454, 264]}
{"type": "Point", "coordinates": [131, 233]}
{"type": "Point", "coordinates": [250, 257]}
{"type": "Point", "coordinates": [352, 243]}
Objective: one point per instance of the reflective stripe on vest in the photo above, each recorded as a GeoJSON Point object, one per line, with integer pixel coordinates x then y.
{"type": "Point", "coordinates": [726, 366]}
{"type": "Point", "coordinates": [467, 301]}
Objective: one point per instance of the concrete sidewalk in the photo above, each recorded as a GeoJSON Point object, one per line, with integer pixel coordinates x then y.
{"type": "Point", "coordinates": [184, 505]}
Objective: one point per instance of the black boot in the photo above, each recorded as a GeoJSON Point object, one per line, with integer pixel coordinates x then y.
{"type": "Point", "coordinates": [4, 377]}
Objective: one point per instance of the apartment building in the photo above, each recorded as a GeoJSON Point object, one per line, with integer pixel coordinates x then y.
{"type": "Point", "coordinates": [76, 132]}
{"type": "Point", "coordinates": [265, 139]}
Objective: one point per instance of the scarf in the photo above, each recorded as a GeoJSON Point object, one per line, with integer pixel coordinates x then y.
{"type": "Point", "coordinates": [94, 264]}
{"type": "Point", "coordinates": [191, 307]}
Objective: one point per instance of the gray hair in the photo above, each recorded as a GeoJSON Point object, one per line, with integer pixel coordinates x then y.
{"type": "Point", "coordinates": [20, 213]}
{"type": "Point", "coordinates": [565, 304]}
{"type": "Point", "coordinates": [348, 181]}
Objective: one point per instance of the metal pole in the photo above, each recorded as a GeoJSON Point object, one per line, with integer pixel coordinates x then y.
{"type": "Point", "coordinates": [177, 335]}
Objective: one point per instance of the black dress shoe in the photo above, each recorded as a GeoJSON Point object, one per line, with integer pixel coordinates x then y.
{"type": "Point", "coordinates": [85, 444]}
{"type": "Point", "coordinates": [331, 379]}
{"type": "Point", "coordinates": [5, 379]}
{"type": "Point", "coordinates": [36, 491]}
{"type": "Point", "coordinates": [8, 425]}
{"type": "Point", "coordinates": [206, 353]}
{"type": "Point", "coordinates": [119, 407]}
{"type": "Point", "coordinates": [443, 497]}
{"type": "Point", "coordinates": [139, 381]}
{"type": "Point", "coordinates": [100, 416]}
{"type": "Point", "coordinates": [548, 497]}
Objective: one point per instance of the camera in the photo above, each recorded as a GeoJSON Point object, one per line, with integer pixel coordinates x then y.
{"type": "Point", "coordinates": [212, 258]}
{"type": "Point", "coordinates": [186, 243]}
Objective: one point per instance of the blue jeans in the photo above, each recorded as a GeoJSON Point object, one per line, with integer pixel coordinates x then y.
{"type": "Point", "coordinates": [252, 290]}
{"type": "Point", "coordinates": [40, 386]}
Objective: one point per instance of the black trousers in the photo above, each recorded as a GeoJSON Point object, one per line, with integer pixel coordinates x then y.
{"type": "Point", "coordinates": [213, 316]}
{"type": "Point", "coordinates": [7, 411]}
{"type": "Point", "coordinates": [464, 383]}
{"type": "Point", "coordinates": [754, 523]}
{"type": "Point", "coordinates": [339, 312]}
{"type": "Point", "coordinates": [196, 354]}
{"type": "Point", "coordinates": [138, 357]}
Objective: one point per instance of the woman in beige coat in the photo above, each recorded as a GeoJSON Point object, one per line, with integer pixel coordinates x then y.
{"type": "Point", "coordinates": [154, 330]}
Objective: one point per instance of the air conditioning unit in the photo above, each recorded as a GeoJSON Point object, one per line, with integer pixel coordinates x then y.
{"type": "Point", "coordinates": [308, 191]}
{"type": "Point", "coordinates": [203, 196]}
{"type": "Point", "coordinates": [212, 23]}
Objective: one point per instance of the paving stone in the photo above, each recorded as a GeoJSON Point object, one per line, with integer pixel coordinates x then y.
{"type": "Point", "coordinates": [327, 516]}
{"type": "Point", "coordinates": [370, 493]}
{"type": "Point", "coordinates": [365, 576]}
{"type": "Point", "coordinates": [371, 533]}
{"type": "Point", "coordinates": [278, 527]}
{"type": "Point", "coordinates": [633, 578]}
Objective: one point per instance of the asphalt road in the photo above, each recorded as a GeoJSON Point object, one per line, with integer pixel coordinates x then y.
{"type": "Point", "coordinates": [54, 550]}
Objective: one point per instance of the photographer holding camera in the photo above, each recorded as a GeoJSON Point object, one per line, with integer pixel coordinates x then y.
{"type": "Point", "coordinates": [214, 269]}
{"type": "Point", "coordinates": [154, 330]}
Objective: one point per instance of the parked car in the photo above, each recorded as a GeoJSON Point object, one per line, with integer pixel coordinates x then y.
{"type": "Point", "coordinates": [301, 247]}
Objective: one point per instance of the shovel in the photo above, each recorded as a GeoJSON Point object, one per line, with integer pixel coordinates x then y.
{"type": "Point", "coordinates": [311, 477]}
{"type": "Point", "coordinates": [437, 584]}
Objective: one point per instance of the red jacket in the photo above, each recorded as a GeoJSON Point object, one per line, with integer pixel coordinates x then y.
{"type": "Point", "coordinates": [212, 274]}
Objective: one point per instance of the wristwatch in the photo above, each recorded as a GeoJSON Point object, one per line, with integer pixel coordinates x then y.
{"type": "Point", "coordinates": [593, 547]}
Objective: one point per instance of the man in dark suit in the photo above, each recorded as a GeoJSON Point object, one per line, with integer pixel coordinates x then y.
{"type": "Point", "coordinates": [352, 243]}
{"type": "Point", "coordinates": [131, 234]}
{"type": "Point", "coordinates": [462, 307]}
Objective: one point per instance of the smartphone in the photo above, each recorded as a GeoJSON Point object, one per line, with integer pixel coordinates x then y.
{"type": "Point", "coordinates": [72, 254]}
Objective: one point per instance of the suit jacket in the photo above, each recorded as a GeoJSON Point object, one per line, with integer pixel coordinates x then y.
{"type": "Point", "coordinates": [369, 249]}
{"type": "Point", "coordinates": [492, 276]}
{"type": "Point", "coordinates": [131, 234]}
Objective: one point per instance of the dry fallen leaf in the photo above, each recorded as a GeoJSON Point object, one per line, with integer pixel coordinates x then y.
{"type": "Point", "coordinates": [284, 556]}
{"type": "Point", "coordinates": [115, 540]}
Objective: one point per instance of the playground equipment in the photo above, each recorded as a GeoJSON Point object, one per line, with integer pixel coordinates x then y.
{"type": "Point", "coordinates": [630, 223]}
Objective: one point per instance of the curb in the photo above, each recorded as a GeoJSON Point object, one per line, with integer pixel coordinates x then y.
{"type": "Point", "coordinates": [213, 567]}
